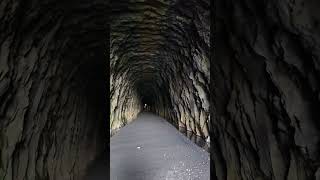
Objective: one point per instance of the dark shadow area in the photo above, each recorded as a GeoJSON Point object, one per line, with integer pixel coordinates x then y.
{"type": "Point", "coordinates": [99, 169]}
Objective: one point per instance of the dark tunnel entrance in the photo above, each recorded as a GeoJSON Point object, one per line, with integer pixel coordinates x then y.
{"type": "Point", "coordinates": [148, 94]}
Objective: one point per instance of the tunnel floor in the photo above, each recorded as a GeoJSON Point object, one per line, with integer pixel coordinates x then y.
{"type": "Point", "coordinates": [152, 149]}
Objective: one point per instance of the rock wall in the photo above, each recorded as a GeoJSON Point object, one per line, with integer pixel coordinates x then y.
{"type": "Point", "coordinates": [52, 87]}
{"type": "Point", "coordinates": [264, 84]}
{"type": "Point", "coordinates": [53, 81]}
{"type": "Point", "coordinates": [265, 89]}
{"type": "Point", "coordinates": [124, 101]}
{"type": "Point", "coordinates": [160, 57]}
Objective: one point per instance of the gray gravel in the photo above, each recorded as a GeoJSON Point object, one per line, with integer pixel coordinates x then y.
{"type": "Point", "coordinates": [152, 149]}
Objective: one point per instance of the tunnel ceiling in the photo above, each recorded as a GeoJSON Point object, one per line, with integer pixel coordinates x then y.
{"type": "Point", "coordinates": [160, 49]}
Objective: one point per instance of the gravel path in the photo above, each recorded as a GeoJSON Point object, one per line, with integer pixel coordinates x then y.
{"type": "Point", "coordinates": [150, 148]}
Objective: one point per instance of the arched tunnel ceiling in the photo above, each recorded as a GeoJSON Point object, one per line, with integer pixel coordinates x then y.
{"type": "Point", "coordinates": [142, 30]}
{"type": "Point", "coordinates": [160, 49]}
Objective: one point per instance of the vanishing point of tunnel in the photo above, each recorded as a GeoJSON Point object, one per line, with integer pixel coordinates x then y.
{"type": "Point", "coordinates": [159, 63]}
{"type": "Point", "coordinates": [159, 89]}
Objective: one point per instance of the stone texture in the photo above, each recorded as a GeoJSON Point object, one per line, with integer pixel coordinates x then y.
{"type": "Point", "coordinates": [160, 56]}
{"type": "Point", "coordinates": [264, 85]}
{"type": "Point", "coordinates": [53, 78]}
{"type": "Point", "coordinates": [265, 89]}
{"type": "Point", "coordinates": [52, 87]}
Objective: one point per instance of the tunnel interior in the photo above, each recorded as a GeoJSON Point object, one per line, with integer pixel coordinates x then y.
{"type": "Point", "coordinates": [260, 77]}
{"type": "Point", "coordinates": [147, 93]}
{"type": "Point", "coordinates": [160, 57]}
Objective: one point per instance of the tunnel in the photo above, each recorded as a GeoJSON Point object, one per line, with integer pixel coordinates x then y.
{"type": "Point", "coordinates": [159, 55]}
{"type": "Point", "coordinates": [243, 75]}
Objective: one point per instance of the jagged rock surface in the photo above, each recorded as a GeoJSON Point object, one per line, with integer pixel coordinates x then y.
{"type": "Point", "coordinates": [52, 87]}
{"type": "Point", "coordinates": [160, 57]}
{"type": "Point", "coordinates": [265, 89]}
{"type": "Point", "coordinates": [264, 86]}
